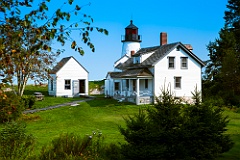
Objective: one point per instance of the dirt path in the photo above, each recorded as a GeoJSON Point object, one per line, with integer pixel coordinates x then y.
{"type": "Point", "coordinates": [74, 103]}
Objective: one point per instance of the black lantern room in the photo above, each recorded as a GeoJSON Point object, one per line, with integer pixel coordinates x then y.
{"type": "Point", "coordinates": [131, 33]}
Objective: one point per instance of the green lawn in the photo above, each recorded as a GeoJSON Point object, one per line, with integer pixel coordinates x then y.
{"type": "Point", "coordinates": [99, 114]}
{"type": "Point", "coordinates": [48, 100]}
{"type": "Point", "coordinates": [234, 130]}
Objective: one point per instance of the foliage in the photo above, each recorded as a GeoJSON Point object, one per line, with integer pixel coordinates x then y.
{"type": "Point", "coordinates": [28, 29]}
{"type": "Point", "coordinates": [15, 143]}
{"type": "Point", "coordinates": [223, 69]}
{"type": "Point", "coordinates": [11, 107]}
{"type": "Point", "coordinates": [174, 131]}
{"type": "Point", "coordinates": [96, 85]}
{"type": "Point", "coordinates": [28, 100]}
{"type": "Point", "coordinates": [72, 146]}
{"type": "Point", "coordinates": [111, 151]}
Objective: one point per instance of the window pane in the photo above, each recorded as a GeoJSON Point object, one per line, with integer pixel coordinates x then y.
{"type": "Point", "coordinates": [184, 62]}
{"type": "Point", "coordinates": [116, 86]}
{"type": "Point", "coordinates": [171, 62]}
{"type": "Point", "coordinates": [177, 82]}
{"type": "Point", "coordinates": [67, 84]}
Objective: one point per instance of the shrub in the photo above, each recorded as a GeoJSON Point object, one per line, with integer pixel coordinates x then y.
{"type": "Point", "coordinates": [72, 146]}
{"type": "Point", "coordinates": [14, 142]}
{"type": "Point", "coordinates": [28, 100]}
{"type": "Point", "coordinates": [11, 107]}
{"type": "Point", "coordinates": [111, 151]}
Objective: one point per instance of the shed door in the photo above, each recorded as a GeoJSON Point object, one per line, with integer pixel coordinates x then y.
{"type": "Point", "coordinates": [82, 86]}
{"type": "Point", "coordinates": [75, 87]}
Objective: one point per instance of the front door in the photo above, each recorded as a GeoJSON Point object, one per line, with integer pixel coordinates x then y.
{"type": "Point", "coordinates": [82, 86]}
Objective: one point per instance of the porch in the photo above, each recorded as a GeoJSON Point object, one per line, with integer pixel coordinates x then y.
{"type": "Point", "coordinates": [138, 91]}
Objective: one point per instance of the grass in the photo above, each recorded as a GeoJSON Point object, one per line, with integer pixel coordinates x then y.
{"type": "Point", "coordinates": [48, 100]}
{"type": "Point", "coordinates": [234, 130]}
{"type": "Point", "coordinates": [99, 114]}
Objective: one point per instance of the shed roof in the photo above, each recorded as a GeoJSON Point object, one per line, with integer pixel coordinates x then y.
{"type": "Point", "coordinates": [61, 63]}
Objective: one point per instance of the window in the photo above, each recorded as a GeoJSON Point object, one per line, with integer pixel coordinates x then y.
{"type": "Point", "coordinates": [51, 85]}
{"type": "Point", "coordinates": [146, 83]}
{"type": "Point", "coordinates": [177, 82]}
{"type": "Point", "coordinates": [116, 86]}
{"type": "Point", "coordinates": [67, 84]}
{"type": "Point", "coordinates": [171, 62]}
{"type": "Point", "coordinates": [127, 83]}
{"type": "Point", "coordinates": [184, 62]}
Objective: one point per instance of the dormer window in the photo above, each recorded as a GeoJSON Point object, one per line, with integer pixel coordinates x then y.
{"type": "Point", "coordinates": [171, 61]}
{"type": "Point", "coordinates": [136, 60]}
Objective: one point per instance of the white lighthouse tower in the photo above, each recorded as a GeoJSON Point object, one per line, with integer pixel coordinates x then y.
{"type": "Point", "coordinates": [131, 40]}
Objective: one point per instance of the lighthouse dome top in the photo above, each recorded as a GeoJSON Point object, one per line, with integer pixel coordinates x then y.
{"type": "Point", "coordinates": [131, 25]}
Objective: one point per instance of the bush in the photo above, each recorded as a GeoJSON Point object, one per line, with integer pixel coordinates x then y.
{"type": "Point", "coordinates": [171, 130]}
{"type": "Point", "coordinates": [111, 151]}
{"type": "Point", "coordinates": [28, 100]}
{"type": "Point", "coordinates": [72, 146]}
{"type": "Point", "coordinates": [11, 107]}
{"type": "Point", "coordinates": [15, 143]}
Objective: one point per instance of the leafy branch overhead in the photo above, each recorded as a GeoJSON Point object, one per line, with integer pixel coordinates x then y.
{"type": "Point", "coordinates": [28, 29]}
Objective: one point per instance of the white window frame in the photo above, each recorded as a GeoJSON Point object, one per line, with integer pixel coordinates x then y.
{"type": "Point", "coordinates": [182, 59]}
{"type": "Point", "coordinates": [169, 62]}
{"type": "Point", "coordinates": [67, 86]}
{"type": "Point", "coordinates": [177, 82]}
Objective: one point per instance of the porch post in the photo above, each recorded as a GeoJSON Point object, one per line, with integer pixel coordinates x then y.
{"type": "Point", "coordinates": [138, 90]}
{"type": "Point", "coordinates": [113, 88]}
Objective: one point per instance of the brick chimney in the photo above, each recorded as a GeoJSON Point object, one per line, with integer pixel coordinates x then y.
{"type": "Point", "coordinates": [163, 38]}
{"type": "Point", "coordinates": [188, 46]}
{"type": "Point", "coordinates": [132, 53]}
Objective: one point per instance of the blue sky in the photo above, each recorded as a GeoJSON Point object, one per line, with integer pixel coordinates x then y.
{"type": "Point", "coordinates": [188, 21]}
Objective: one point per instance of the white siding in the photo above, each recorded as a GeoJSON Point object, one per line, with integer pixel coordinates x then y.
{"type": "Point", "coordinates": [108, 86]}
{"type": "Point", "coordinates": [190, 77]}
{"type": "Point", "coordinates": [73, 71]}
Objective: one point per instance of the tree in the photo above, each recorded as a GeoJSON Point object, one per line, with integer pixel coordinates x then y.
{"type": "Point", "coordinates": [27, 31]}
{"type": "Point", "coordinates": [171, 130]}
{"type": "Point", "coordinates": [223, 68]}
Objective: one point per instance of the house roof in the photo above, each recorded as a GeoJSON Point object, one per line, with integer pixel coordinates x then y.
{"type": "Point", "coordinates": [132, 73]}
{"type": "Point", "coordinates": [61, 63]}
{"type": "Point", "coordinates": [158, 53]}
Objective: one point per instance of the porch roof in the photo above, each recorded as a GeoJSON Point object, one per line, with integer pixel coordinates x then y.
{"type": "Point", "coordinates": [132, 73]}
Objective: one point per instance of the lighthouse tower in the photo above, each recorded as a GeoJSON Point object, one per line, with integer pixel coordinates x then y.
{"type": "Point", "coordinates": [131, 40]}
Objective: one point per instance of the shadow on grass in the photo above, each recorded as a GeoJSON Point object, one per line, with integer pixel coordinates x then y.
{"type": "Point", "coordinates": [106, 102]}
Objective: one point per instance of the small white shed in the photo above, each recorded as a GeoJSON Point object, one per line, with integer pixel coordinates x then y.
{"type": "Point", "coordinates": [68, 79]}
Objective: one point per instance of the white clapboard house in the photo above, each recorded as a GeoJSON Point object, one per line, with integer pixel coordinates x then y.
{"type": "Point", "coordinates": [68, 79]}
{"type": "Point", "coordinates": [141, 73]}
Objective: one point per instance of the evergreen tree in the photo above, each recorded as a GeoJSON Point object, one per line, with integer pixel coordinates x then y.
{"type": "Point", "coordinates": [171, 130]}
{"type": "Point", "coordinates": [223, 69]}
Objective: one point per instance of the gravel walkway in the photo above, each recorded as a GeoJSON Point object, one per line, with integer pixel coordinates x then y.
{"type": "Point", "coordinates": [74, 103]}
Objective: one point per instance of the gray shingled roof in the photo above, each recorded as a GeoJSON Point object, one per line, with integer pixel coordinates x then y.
{"type": "Point", "coordinates": [159, 53]}
{"type": "Point", "coordinates": [62, 63]}
{"type": "Point", "coordinates": [132, 73]}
